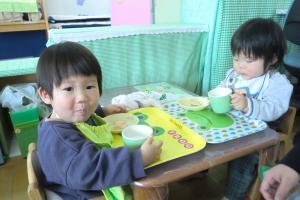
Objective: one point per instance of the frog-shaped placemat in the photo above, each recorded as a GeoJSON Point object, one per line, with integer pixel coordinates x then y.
{"type": "Point", "coordinates": [178, 140]}
{"type": "Point", "coordinates": [216, 128]}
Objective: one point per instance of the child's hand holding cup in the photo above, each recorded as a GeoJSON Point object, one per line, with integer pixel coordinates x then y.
{"type": "Point", "coordinates": [151, 151]}
{"type": "Point", "coordinates": [140, 136]}
{"type": "Point", "coordinates": [220, 99]}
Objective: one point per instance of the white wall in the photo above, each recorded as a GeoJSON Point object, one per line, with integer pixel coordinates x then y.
{"type": "Point", "coordinates": [78, 7]}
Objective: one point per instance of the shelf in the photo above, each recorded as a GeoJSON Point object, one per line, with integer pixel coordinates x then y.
{"type": "Point", "coordinates": [23, 26]}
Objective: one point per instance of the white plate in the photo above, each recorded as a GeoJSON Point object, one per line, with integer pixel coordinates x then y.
{"type": "Point", "coordinates": [118, 122]}
{"type": "Point", "coordinates": [193, 103]}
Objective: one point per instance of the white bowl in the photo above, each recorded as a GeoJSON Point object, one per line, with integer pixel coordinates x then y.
{"type": "Point", "coordinates": [135, 135]}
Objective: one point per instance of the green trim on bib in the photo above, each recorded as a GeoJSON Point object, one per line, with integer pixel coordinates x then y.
{"type": "Point", "coordinates": [99, 134]}
{"type": "Point", "coordinates": [102, 137]}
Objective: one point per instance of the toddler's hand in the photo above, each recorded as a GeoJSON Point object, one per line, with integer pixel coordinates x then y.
{"type": "Point", "coordinates": [150, 151]}
{"type": "Point", "coordinates": [112, 109]}
{"type": "Point", "coordinates": [239, 101]}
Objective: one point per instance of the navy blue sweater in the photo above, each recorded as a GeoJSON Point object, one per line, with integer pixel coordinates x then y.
{"type": "Point", "coordinates": [75, 168]}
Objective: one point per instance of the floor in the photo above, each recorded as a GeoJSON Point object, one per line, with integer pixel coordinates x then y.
{"type": "Point", "coordinates": [13, 181]}
{"type": "Point", "coordinates": [208, 187]}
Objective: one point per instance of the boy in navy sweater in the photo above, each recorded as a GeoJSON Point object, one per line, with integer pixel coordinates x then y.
{"type": "Point", "coordinates": [70, 81]}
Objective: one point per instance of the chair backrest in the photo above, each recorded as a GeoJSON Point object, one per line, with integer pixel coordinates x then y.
{"type": "Point", "coordinates": [292, 23]}
{"type": "Point", "coordinates": [286, 132]}
{"type": "Point", "coordinates": [286, 122]}
{"type": "Point", "coordinates": [35, 191]}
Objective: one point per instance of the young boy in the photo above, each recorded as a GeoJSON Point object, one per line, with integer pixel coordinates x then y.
{"type": "Point", "coordinates": [260, 91]}
{"type": "Point", "coordinates": [70, 81]}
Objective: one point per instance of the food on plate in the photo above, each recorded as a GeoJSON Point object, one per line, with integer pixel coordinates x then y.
{"type": "Point", "coordinates": [119, 124]}
{"type": "Point", "coordinates": [193, 103]}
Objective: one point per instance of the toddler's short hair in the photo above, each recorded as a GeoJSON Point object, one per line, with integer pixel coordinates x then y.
{"type": "Point", "coordinates": [62, 60]}
{"type": "Point", "coordinates": [260, 38]}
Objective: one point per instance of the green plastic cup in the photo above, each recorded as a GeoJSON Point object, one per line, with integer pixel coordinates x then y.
{"type": "Point", "coordinates": [135, 135]}
{"type": "Point", "coordinates": [220, 100]}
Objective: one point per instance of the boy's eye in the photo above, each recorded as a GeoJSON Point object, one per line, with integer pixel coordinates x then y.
{"type": "Point", "coordinates": [68, 89]}
{"type": "Point", "coordinates": [90, 87]}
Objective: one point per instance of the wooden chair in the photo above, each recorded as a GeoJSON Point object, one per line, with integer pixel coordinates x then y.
{"type": "Point", "coordinates": [35, 191]}
{"type": "Point", "coordinates": [285, 126]}
{"type": "Point", "coordinates": [285, 129]}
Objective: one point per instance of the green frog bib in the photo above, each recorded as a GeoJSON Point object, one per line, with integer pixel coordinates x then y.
{"type": "Point", "coordinates": [100, 134]}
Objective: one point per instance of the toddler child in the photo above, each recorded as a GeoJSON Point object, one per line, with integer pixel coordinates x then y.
{"type": "Point", "coordinates": [259, 90]}
{"type": "Point", "coordinates": [70, 81]}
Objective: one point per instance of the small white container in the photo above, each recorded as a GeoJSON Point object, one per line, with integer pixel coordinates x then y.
{"type": "Point", "coordinates": [135, 135]}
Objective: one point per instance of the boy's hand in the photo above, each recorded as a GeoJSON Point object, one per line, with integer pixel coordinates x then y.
{"type": "Point", "coordinates": [150, 151]}
{"type": "Point", "coordinates": [112, 109]}
{"type": "Point", "coordinates": [239, 101]}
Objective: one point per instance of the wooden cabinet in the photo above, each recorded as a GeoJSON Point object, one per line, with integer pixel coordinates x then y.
{"type": "Point", "coordinates": [23, 26]}
{"type": "Point", "coordinates": [27, 25]}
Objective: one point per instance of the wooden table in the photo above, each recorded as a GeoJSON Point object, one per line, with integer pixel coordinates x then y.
{"type": "Point", "coordinates": [154, 185]}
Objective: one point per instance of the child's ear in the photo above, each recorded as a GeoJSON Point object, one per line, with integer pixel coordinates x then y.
{"type": "Point", "coordinates": [274, 60]}
{"type": "Point", "coordinates": [44, 96]}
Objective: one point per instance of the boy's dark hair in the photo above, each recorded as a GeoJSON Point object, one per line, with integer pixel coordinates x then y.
{"type": "Point", "coordinates": [62, 60]}
{"type": "Point", "coordinates": [260, 38]}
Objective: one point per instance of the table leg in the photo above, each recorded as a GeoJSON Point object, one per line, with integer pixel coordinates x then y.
{"type": "Point", "coordinates": [153, 193]}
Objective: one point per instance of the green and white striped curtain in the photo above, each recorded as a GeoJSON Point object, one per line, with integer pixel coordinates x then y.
{"type": "Point", "coordinates": [224, 17]}
{"type": "Point", "coordinates": [131, 60]}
